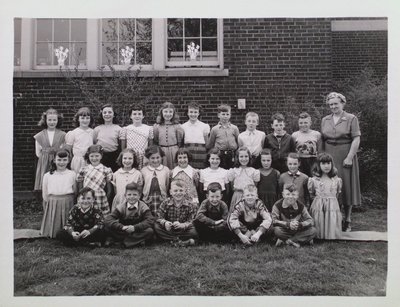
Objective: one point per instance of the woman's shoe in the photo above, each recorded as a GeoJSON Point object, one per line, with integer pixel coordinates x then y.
{"type": "Point", "coordinates": [346, 227]}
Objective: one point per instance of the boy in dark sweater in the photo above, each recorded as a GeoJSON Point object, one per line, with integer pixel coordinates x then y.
{"type": "Point", "coordinates": [211, 218]}
{"type": "Point", "coordinates": [292, 223]}
{"type": "Point", "coordinates": [131, 221]}
{"type": "Point", "coordinates": [280, 143]}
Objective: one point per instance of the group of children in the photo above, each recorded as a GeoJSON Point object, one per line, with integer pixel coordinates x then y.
{"type": "Point", "coordinates": [186, 182]}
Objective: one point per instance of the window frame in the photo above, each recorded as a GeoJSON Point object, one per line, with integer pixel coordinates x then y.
{"type": "Point", "coordinates": [200, 64]}
{"type": "Point", "coordinates": [18, 42]}
{"type": "Point", "coordinates": [124, 66]}
{"type": "Point", "coordinates": [56, 67]}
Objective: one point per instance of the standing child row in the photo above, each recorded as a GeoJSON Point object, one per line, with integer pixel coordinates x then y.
{"type": "Point", "coordinates": [194, 135]}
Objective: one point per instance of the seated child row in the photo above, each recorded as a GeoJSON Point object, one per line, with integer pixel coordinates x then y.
{"type": "Point", "coordinates": [153, 180]}
{"type": "Point", "coordinates": [180, 221]}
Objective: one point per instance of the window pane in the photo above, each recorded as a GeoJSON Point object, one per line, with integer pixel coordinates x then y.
{"type": "Point", "coordinates": [44, 53]}
{"type": "Point", "coordinates": [77, 53]}
{"type": "Point", "coordinates": [110, 31]}
{"type": "Point", "coordinates": [175, 50]}
{"type": "Point", "coordinates": [127, 29]}
{"type": "Point", "coordinates": [175, 27]}
{"type": "Point", "coordinates": [143, 29]}
{"type": "Point", "coordinates": [143, 53]}
{"type": "Point", "coordinates": [78, 30]}
{"type": "Point", "coordinates": [209, 27]}
{"type": "Point", "coordinates": [110, 53]}
{"type": "Point", "coordinates": [17, 29]}
{"type": "Point", "coordinates": [44, 30]}
{"type": "Point", "coordinates": [61, 30]}
{"type": "Point", "coordinates": [17, 54]}
{"type": "Point", "coordinates": [189, 42]}
{"type": "Point", "coordinates": [209, 44]}
{"type": "Point", "coordinates": [67, 60]}
{"type": "Point", "coordinates": [192, 27]}
{"type": "Point", "coordinates": [122, 46]}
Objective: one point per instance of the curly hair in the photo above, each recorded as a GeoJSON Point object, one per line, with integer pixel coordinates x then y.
{"type": "Point", "coordinates": [43, 119]}
{"type": "Point", "coordinates": [160, 118]}
{"type": "Point", "coordinates": [93, 149]}
{"type": "Point", "coordinates": [101, 119]}
{"type": "Point", "coordinates": [243, 148]}
{"type": "Point", "coordinates": [121, 154]}
{"type": "Point", "coordinates": [153, 149]}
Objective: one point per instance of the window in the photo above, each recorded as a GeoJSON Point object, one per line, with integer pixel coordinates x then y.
{"type": "Point", "coordinates": [117, 34]}
{"type": "Point", "coordinates": [55, 33]}
{"type": "Point", "coordinates": [17, 41]}
{"type": "Point", "coordinates": [154, 44]}
{"type": "Point", "coordinates": [200, 35]}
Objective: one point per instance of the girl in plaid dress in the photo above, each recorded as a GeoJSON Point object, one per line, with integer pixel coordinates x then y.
{"type": "Point", "coordinates": [156, 179]}
{"type": "Point", "coordinates": [97, 177]}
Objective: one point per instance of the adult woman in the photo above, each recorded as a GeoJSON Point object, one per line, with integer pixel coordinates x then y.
{"type": "Point", "coordinates": [341, 138]}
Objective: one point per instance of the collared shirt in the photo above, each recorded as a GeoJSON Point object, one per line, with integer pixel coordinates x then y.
{"type": "Point", "coordinates": [301, 182]}
{"type": "Point", "coordinates": [130, 206]}
{"type": "Point", "coordinates": [280, 146]}
{"type": "Point", "coordinates": [121, 178]}
{"type": "Point", "coordinates": [194, 133]}
{"type": "Point", "coordinates": [282, 214]}
{"type": "Point", "coordinates": [251, 217]}
{"type": "Point", "coordinates": [346, 128]}
{"type": "Point", "coordinates": [168, 134]}
{"type": "Point", "coordinates": [94, 177]}
{"type": "Point", "coordinates": [223, 137]}
{"type": "Point", "coordinates": [170, 212]}
{"type": "Point", "coordinates": [208, 213]}
{"type": "Point", "coordinates": [138, 215]}
{"type": "Point", "coordinates": [253, 140]}
{"type": "Point", "coordinates": [162, 173]}
{"type": "Point", "coordinates": [187, 170]}
{"type": "Point", "coordinates": [190, 178]}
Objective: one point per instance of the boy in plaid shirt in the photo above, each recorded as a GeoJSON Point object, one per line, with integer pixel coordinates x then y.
{"type": "Point", "coordinates": [175, 217]}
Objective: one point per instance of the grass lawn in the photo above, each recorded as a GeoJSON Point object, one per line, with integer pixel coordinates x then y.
{"type": "Point", "coordinates": [44, 267]}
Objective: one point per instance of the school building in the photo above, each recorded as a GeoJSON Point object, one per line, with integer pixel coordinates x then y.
{"type": "Point", "coordinates": [264, 65]}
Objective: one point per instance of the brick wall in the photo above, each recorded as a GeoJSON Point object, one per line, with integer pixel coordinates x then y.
{"type": "Point", "coordinates": [280, 65]}
{"type": "Point", "coordinates": [352, 51]}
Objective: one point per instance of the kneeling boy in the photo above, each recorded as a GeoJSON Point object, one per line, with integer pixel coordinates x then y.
{"type": "Point", "coordinates": [250, 218]}
{"type": "Point", "coordinates": [175, 217]}
{"type": "Point", "coordinates": [211, 219]}
{"type": "Point", "coordinates": [293, 224]}
{"type": "Point", "coordinates": [131, 221]}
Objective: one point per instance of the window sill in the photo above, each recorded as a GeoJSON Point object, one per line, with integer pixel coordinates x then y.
{"type": "Point", "coordinates": [170, 72]}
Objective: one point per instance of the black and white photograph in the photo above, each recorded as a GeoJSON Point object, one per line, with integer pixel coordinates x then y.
{"type": "Point", "coordinates": [174, 157]}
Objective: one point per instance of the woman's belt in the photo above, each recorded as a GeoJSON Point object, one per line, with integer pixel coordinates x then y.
{"type": "Point", "coordinates": [338, 142]}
